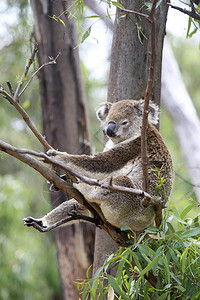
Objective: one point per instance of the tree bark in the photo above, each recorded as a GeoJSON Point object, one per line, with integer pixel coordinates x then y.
{"type": "Point", "coordinates": [65, 126]}
{"type": "Point", "coordinates": [130, 57]}
{"type": "Point", "coordinates": [181, 109]}
{"type": "Point", "coordinates": [128, 77]}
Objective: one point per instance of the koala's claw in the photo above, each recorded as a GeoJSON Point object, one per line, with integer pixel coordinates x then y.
{"type": "Point", "coordinates": [37, 224]}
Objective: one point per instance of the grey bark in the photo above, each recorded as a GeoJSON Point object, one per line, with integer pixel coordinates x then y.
{"type": "Point", "coordinates": [130, 58]}
{"type": "Point", "coordinates": [65, 126]}
{"type": "Point", "coordinates": [181, 109]}
{"type": "Point", "coordinates": [128, 77]}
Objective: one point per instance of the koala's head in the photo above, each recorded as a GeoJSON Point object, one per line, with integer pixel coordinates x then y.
{"type": "Point", "coordinates": [123, 120]}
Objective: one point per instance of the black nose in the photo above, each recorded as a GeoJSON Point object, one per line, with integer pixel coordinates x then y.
{"type": "Point", "coordinates": [110, 131]}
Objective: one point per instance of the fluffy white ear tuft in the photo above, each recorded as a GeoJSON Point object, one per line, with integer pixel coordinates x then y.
{"type": "Point", "coordinates": [153, 113]}
{"type": "Point", "coordinates": [103, 110]}
{"type": "Point", "coordinates": [153, 116]}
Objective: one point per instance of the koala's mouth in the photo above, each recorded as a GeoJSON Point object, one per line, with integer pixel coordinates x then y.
{"type": "Point", "coordinates": [115, 138]}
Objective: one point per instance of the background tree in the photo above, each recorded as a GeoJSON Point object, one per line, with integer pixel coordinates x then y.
{"type": "Point", "coordinates": [65, 125]}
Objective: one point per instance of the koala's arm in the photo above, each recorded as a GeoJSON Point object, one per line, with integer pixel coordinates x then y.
{"type": "Point", "coordinates": [66, 213]}
{"type": "Point", "coordinates": [103, 162]}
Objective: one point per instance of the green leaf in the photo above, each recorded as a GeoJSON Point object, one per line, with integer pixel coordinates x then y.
{"type": "Point", "coordinates": [101, 290]}
{"type": "Point", "coordinates": [117, 4]}
{"type": "Point", "coordinates": [152, 230]}
{"type": "Point", "coordinates": [166, 264]}
{"type": "Point", "coordinates": [116, 287]}
{"type": "Point", "coordinates": [174, 210]}
{"type": "Point", "coordinates": [94, 287]}
{"type": "Point", "coordinates": [190, 233]}
{"type": "Point", "coordinates": [183, 260]}
{"type": "Point", "coordinates": [98, 271]}
{"type": "Point", "coordinates": [86, 34]}
{"type": "Point", "coordinates": [125, 228]}
{"type": "Point", "coordinates": [146, 250]}
{"type": "Point", "coordinates": [163, 296]}
{"type": "Point", "coordinates": [120, 271]}
{"type": "Point", "coordinates": [62, 21]}
{"type": "Point", "coordinates": [171, 228]}
{"type": "Point", "coordinates": [85, 291]}
{"type": "Point", "coordinates": [127, 269]}
{"type": "Point", "coordinates": [136, 260]}
{"type": "Point", "coordinates": [91, 17]}
{"type": "Point", "coordinates": [150, 265]}
{"type": "Point", "coordinates": [146, 290]}
{"type": "Point", "coordinates": [180, 288]}
{"type": "Point", "coordinates": [187, 210]}
{"type": "Point", "coordinates": [189, 26]}
{"type": "Point", "coordinates": [178, 219]}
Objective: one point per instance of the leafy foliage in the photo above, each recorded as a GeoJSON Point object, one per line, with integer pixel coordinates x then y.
{"type": "Point", "coordinates": [171, 256]}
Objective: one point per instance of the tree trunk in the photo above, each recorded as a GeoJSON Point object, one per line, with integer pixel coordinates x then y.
{"type": "Point", "coordinates": [128, 77]}
{"type": "Point", "coordinates": [130, 56]}
{"type": "Point", "coordinates": [65, 126]}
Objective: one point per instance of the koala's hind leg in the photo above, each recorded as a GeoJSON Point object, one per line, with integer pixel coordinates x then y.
{"type": "Point", "coordinates": [66, 213]}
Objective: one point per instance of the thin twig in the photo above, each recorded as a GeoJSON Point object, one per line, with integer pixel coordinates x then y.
{"type": "Point", "coordinates": [159, 205]}
{"type": "Point", "coordinates": [147, 99]}
{"type": "Point", "coordinates": [26, 118]}
{"type": "Point", "coordinates": [193, 282]}
{"type": "Point", "coordinates": [192, 13]}
{"type": "Point", "coordinates": [10, 88]}
{"type": "Point", "coordinates": [27, 67]}
{"type": "Point", "coordinates": [129, 11]}
{"type": "Point", "coordinates": [52, 62]}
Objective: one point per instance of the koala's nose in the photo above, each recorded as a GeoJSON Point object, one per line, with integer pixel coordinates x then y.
{"type": "Point", "coordinates": [110, 131]}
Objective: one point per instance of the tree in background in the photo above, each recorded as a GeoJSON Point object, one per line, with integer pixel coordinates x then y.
{"type": "Point", "coordinates": [65, 125]}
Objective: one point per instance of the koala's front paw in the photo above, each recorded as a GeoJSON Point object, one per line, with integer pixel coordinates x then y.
{"type": "Point", "coordinates": [36, 223]}
{"type": "Point", "coordinates": [53, 152]}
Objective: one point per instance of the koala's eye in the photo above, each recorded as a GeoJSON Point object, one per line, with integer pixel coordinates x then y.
{"type": "Point", "coordinates": [125, 122]}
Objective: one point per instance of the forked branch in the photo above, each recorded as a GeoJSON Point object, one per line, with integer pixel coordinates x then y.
{"type": "Point", "coordinates": [21, 81]}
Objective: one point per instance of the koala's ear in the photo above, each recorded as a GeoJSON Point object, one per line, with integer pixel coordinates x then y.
{"type": "Point", "coordinates": [103, 110]}
{"type": "Point", "coordinates": [153, 116]}
{"type": "Point", "coordinates": [153, 113]}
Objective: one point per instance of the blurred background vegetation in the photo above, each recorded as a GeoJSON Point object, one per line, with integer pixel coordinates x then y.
{"type": "Point", "coordinates": [28, 261]}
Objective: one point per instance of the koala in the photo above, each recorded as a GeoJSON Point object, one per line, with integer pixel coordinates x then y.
{"type": "Point", "coordinates": [121, 164]}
